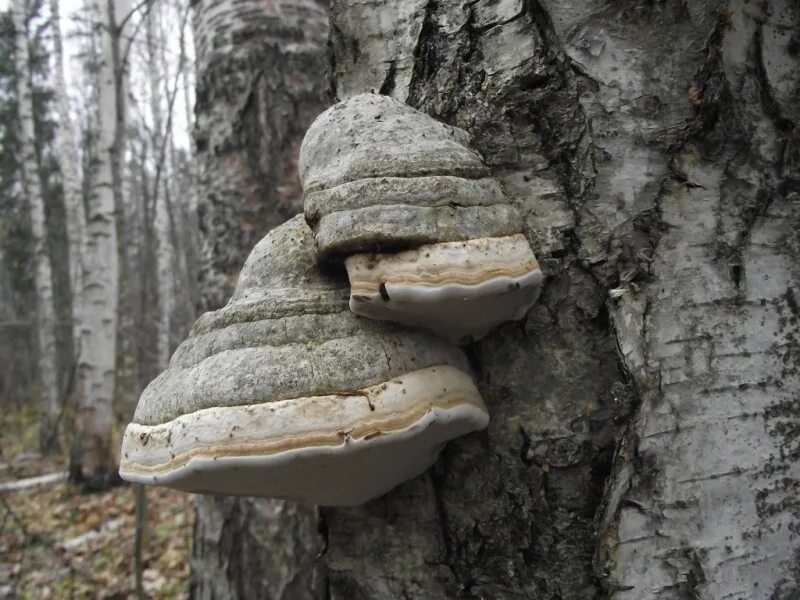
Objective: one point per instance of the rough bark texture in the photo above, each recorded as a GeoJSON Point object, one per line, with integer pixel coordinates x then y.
{"type": "Point", "coordinates": [261, 79]}
{"type": "Point", "coordinates": [42, 271]}
{"type": "Point", "coordinates": [665, 171]}
{"type": "Point", "coordinates": [508, 514]}
{"type": "Point", "coordinates": [643, 441]}
{"type": "Point", "coordinates": [704, 502]}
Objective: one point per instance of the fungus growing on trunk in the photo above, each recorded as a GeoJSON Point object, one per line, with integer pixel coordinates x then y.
{"type": "Point", "coordinates": [428, 236]}
{"type": "Point", "coordinates": [285, 393]}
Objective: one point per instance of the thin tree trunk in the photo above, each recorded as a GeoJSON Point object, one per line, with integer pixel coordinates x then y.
{"type": "Point", "coordinates": [128, 355]}
{"type": "Point", "coordinates": [191, 229]}
{"type": "Point", "coordinates": [93, 457]}
{"type": "Point", "coordinates": [42, 276]}
{"type": "Point", "coordinates": [161, 218]}
{"type": "Point", "coordinates": [166, 275]}
{"type": "Point", "coordinates": [68, 161]}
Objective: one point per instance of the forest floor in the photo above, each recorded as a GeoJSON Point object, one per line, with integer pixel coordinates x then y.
{"type": "Point", "coordinates": [56, 542]}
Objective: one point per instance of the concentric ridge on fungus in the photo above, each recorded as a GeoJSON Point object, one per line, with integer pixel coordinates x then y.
{"type": "Point", "coordinates": [428, 235]}
{"type": "Point", "coordinates": [285, 393]}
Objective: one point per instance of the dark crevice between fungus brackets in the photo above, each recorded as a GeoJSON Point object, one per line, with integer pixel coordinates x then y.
{"type": "Point", "coordinates": [274, 405]}
{"type": "Point", "coordinates": [429, 237]}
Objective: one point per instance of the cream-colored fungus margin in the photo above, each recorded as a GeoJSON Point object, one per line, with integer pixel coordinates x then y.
{"type": "Point", "coordinates": [460, 290]}
{"type": "Point", "coordinates": [339, 449]}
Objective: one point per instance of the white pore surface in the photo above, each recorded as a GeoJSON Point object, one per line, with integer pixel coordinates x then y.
{"type": "Point", "coordinates": [334, 450]}
{"type": "Point", "coordinates": [459, 290]}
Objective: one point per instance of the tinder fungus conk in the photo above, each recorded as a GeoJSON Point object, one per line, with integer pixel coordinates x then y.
{"type": "Point", "coordinates": [285, 393]}
{"type": "Point", "coordinates": [428, 235]}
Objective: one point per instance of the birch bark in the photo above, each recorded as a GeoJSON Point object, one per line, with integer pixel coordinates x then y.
{"type": "Point", "coordinates": [654, 148]}
{"type": "Point", "coordinates": [165, 271]}
{"type": "Point", "coordinates": [260, 81]}
{"type": "Point", "coordinates": [42, 276]}
{"type": "Point", "coordinates": [704, 500]}
{"type": "Point", "coordinates": [93, 459]}
{"type": "Point", "coordinates": [68, 162]}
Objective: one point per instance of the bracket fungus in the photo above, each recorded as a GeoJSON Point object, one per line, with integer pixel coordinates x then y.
{"type": "Point", "coordinates": [428, 236]}
{"type": "Point", "coordinates": [285, 393]}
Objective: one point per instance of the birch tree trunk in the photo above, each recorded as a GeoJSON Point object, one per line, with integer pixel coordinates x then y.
{"type": "Point", "coordinates": [643, 441]}
{"type": "Point", "coordinates": [260, 82]}
{"type": "Point", "coordinates": [165, 271]}
{"type": "Point", "coordinates": [42, 276]}
{"type": "Point", "coordinates": [68, 162]}
{"type": "Point", "coordinates": [93, 460]}
{"type": "Point", "coordinates": [261, 79]}
{"type": "Point", "coordinates": [666, 174]}
{"type": "Point", "coordinates": [704, 498]}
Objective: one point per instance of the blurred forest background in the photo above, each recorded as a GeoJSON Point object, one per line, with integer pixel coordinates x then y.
{"type": "Point", "coordinates": [99, 247]}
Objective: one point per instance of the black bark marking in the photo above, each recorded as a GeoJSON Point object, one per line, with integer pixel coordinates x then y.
{"type": "Point", "coordinates": [388, 85]}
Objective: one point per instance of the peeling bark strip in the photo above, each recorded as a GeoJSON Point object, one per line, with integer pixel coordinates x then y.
{"type": "Point", "coordinates": [42, 277]}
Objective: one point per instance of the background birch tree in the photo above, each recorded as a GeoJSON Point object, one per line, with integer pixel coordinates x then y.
{"type": "Point", "coordinates": [19, 354]}
{"type": "Point", "coordinates": [43, 278]}
{"type": "Point", "coordinates": [644, 414]}
{"type": "Point", "coordinates": [69, 166]}
{"type": "Point", "coordinates": [83, 126]}
{"type": "Point", "coordinates": [93, 457]}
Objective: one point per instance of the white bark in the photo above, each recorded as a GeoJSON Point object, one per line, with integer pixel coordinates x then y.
{"type": "Point", "coordinates": [107, 528]}
{"type": "Point", "coordinates": [101, 283]}
{"type": "Point", "coordinates": [717, 365]}
{"type": "Point", "coordinates": [43, 280]}
{"type": "Point", "coordinates": [161, 219]}
{"type": "Point", "coordinates": [68, 161]}
{"type": "Point", "coordinates": [165, 274]}
{"type": "Point", "coordinates": [703, 501]}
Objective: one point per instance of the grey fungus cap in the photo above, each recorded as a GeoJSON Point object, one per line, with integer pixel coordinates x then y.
{"type": "Point", "coordinates": [428, 236]}
{"type": "Point", "coordinates": [378, 174]}
{"type": "Point", "coordinates": [286, 393]}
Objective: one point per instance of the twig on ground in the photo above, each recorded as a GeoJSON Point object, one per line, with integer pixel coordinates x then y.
{"type": "Point", "coordinates": [21, 484]}
{"type": "Point", "coordinates": [104, 529]}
